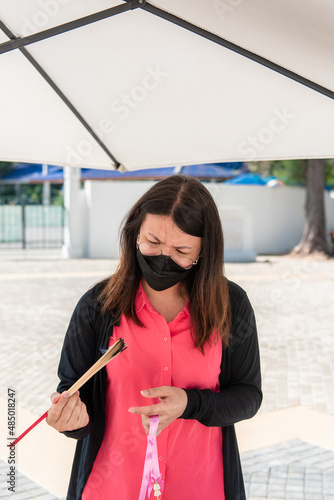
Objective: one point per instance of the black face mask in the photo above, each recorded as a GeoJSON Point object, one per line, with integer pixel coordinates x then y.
{"type": "Point", "coordinates": [160, 271]}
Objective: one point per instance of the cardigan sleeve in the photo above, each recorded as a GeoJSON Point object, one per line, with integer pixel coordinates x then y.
{"type": "Point", "coordinates": [80, 351]}
{"type": "Point", "coordinates": [240, 393]}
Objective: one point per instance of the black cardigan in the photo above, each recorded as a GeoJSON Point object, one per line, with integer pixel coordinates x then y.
{"type": "Point", "coordinates": [239, 398]}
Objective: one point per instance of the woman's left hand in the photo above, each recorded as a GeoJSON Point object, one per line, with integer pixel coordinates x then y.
{"type": "Point", "coordinates": [173, 402]}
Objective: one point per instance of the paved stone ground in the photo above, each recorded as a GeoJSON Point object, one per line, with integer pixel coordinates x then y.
{"type": "Point", "coordinates": [289, 471]}
{"type": "Point", "coordinates": [26, 489]}
{"type": "Point", "coordinates": [293, 301]}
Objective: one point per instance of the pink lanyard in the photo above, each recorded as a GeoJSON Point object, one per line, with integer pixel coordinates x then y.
{"type": "Point", "coordinates": [151, 475]}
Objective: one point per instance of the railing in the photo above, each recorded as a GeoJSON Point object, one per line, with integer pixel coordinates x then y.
{"type": "Point", "coordinates": [31, 226]}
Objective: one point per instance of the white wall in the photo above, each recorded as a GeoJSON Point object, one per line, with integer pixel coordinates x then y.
{"type": "Point", "coordinates": [277, 214]}
{"type": "Point", "coordinates": [108, 202]}
{"type": "Point", "coordinates": [256, 219]}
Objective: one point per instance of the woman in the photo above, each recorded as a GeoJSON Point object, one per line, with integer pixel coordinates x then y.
{"type": "Point", "coordinates": [193, 357]}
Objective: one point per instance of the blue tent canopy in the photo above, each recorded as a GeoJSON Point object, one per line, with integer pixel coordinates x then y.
{"type": "Point", "coordinates": [33, 173]}
{"type": "Point", "coordinates": [148, 173]}
{"type": "Point", "coordinates": [25, 173]}
{"type": "Point", "coordinates": [214, 170]}
{"type": "Point", "coordinates": [248, 178]}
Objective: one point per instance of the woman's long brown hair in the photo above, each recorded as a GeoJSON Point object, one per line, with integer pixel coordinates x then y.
{"type": "Point", "coordinates": [194, 211]}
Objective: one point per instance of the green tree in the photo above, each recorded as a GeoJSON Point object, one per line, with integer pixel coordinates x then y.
{"type": "Point", "coordinates": [329, 172]}
{"type": "Point", "coordinates": [314, 235]}
{"type": "Point", "coordinates": [29, 193]}
{"type": "Point", "coordinates": [291, 172]}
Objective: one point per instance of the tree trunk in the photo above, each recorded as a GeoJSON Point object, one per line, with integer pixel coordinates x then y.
{"type": "Point", "coordinates": [314, 237]}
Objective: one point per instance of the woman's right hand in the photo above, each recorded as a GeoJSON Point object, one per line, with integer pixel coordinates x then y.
{"type": "Point", "coordinates": [67, 413]}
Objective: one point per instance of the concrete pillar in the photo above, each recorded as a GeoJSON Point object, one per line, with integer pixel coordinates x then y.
{"type": "Point", "coordinates": [74, 218]}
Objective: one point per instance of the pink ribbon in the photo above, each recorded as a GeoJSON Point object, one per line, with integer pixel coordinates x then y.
{"type": "Point", "coordinates": [151, 475]}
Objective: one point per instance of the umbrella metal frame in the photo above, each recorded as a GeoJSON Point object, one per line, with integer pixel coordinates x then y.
{"type": "Point", "coordinates": [21, 42]}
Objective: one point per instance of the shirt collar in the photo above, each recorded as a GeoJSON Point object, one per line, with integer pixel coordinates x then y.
{"type": "Point", "coordinates": [143, 300]}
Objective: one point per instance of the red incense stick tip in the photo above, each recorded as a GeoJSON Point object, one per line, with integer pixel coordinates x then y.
{"type": "Point", "coordinates": [28, 430]}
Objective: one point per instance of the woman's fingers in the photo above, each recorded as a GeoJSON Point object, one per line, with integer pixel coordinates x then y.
{"type": "Point", "coordinates": [159, 392]}
{"type": "Point", "coordinates": [146, 410]}
{"type": "Point", "coordinates": [173, 402]}
{"type": "Point", "coordinates": [146, 423]}
{"type": "Point", "coordinates": [67, 413]}
{"type": "Point", "coordinates": [55, 397]}
{"type": "Point", "coordinates": [83, 418]}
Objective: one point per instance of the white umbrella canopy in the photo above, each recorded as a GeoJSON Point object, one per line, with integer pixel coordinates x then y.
{"type": "Point", "coordinates": [165, 83]}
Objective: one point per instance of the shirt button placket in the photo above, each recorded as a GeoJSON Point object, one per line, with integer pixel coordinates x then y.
{"type": "Point", "coordinates": [166, 357]}
{"type": "Point", "coordinates": [166, 379]}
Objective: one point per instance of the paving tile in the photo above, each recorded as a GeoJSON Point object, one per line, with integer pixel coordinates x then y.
{"type": "Point", "coordinates": [25, 488]}
{"type": "Point", "coordinates": [298, 479]}
{"type": "Point", "coordinates": [294, 495]}
{"type": "Point", "coordinates": [46, 496]}
{"type": "Point", "coordinates": [18, 495]}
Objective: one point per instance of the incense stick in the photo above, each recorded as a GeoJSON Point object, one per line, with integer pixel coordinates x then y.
{"type": "Point", "coordinates": [111, 353]}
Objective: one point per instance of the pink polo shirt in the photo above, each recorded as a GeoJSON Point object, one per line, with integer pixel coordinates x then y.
{"type": "Point", "coordinates": [190, 454]}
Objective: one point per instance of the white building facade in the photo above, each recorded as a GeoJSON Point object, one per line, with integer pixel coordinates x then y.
{"type": "Point", "coordinates": [256, 219]}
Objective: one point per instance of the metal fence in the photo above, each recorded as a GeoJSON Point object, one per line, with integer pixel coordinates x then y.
{"type": "Point", "coordinates": [31, 226]}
